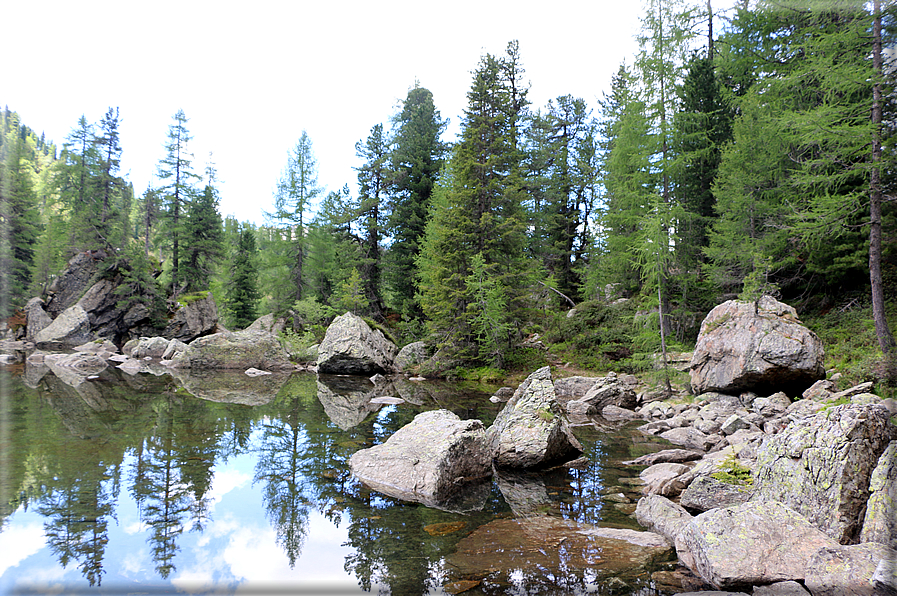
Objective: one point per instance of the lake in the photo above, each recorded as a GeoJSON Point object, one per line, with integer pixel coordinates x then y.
{"type": "Point", "coordinates": [225, 484]}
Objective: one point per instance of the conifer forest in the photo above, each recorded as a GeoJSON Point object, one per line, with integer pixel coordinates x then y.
{"type": "Point", "coordinates": [757, 157]}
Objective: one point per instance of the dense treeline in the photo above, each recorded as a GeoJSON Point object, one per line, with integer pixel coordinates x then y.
{"type": "Point", "coordinates": [755, 159]}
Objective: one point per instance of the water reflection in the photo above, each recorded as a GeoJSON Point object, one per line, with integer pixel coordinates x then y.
{"type": "Point", "coordinates": [136, 483]}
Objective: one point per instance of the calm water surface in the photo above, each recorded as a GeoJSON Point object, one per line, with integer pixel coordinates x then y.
{"type": "Point", "coordinates": [224, 484]}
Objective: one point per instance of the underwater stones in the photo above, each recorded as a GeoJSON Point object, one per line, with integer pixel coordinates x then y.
{"type": "Point", "coordinates": [531, 430]}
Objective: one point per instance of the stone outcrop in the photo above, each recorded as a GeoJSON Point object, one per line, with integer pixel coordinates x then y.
{"type": "Point", "coordinates": [234, 350]}
{"type": "Point", "coordinates": [755, 346]}
{"type": "Point", "coordinates": [822, 468]}
{"type": "Point", "coordinates": [149, 347]}
{"type": "Point", "coordinates": [71, 284]}
{"type": "Point", "coordinates": [192, 320]}
{"type": "Point", "coordinates": [880, 523]}
{"type": "Point", "coordinates": [350, 347]}
{"type": "Point", "coordinates": [748, 544]}
{"type": "Point", "coordinates": [531, 430]}
{"type": "Point", "coordinates": [433, 460]}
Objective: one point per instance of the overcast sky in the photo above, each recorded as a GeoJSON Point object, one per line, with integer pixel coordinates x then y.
{"type": "Point", "coordinates": [251, 76]}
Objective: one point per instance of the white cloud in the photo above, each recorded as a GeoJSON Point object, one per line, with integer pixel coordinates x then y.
{"type": "Point", "coordinates": [18, 542]}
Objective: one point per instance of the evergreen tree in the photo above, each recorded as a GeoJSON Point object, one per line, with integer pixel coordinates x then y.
{"type": "Point", "coordinates": [178, 188]}
{"type": "Point", "coordinates": [477, 211]}
{"type": "Point", "coordinates": [417, 157]}
{"type": "Point", "coordinates": [19, 223]}
{"type": "Point", "coordinates": [242, 295]}
{"type": "Point", "coordinates": [333, 249]}
{"type": "Point", "coordinates": [296, 190]}
{"type": "Point", "coordinates": [203, 241]}
{"type": "Point", "coordinates": [373, 177]}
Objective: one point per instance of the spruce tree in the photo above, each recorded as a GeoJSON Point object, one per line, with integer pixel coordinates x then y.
{"type": "Point", "coordinates": [477, 211]}
{"type": "Point", "coordinates": [417, 156]}
{"type": "Point", "coordinates": [203, 240]}
{"type": "Point", "coordinates": [373, 181]}
{"type": "Point", "coordinates": [242, 294]}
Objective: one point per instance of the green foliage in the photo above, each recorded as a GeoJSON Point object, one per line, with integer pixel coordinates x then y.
{"type": "Point", "coordinates": [732, 471]}
{"type": "Point", "coordinates": [242, 295]}
{"type": "Point", "coordinates": [350, 295]}
{"type": "Point", "coordinates": [597, 337]}
{"type": "Point", "coordinates": [203, 241]}
{"type": "Point", "coordinates": [298, 345]}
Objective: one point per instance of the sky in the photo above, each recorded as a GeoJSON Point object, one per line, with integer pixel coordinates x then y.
{"type": "Point", "coordinates": [250, 77]}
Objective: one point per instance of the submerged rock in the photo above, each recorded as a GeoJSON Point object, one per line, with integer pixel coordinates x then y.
{"type": "Point", "coordinates": [558, 548]}
{"type": "Point", "coordinates": [755, 346]}
{"type": "Point", "coordinates": [531, 430]}
{"type": "Point", "coordinates": [347, 400]}
{"type": "Point", "coordinates": [437, 459]}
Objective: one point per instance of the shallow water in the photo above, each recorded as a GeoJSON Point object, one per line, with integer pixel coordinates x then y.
{"type": "Point", "coordinates": [150, 484]}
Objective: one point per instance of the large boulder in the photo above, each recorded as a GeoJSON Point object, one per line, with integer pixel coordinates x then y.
{"type": "Point", "coordinates": [350, 347]}
{"type": "Point", "coordinates": [606, 391]}
{"type": "Point", "coordinates": [748, 544]}
{"type": "Point", "coordinates": [195, 318]}
{"type": "Point", "coordinates": [757, 346]}
{"type": "Point", "coordinates": [706, 493]}
{"type": "Point", "coordinates": [821, 467]}
{"type": "Point", "coordinates": [239, 350]}
{"type": "Point", "coordinates": [71, 328]}
{"type": "Point", "coordinates": [847, 570]}
{"type": "Point", "coordinates": [411, 355]}
{"type": "Point", "coordinates": [531, 430]}
{"type": "Point", "coordinates": [661, 515]}
{"type": "Point", "coordinates": [880, 524]}
{"type": "Point", "coordinates": [149, 347]}
{"type": "Point", "coordinates": [434, 460]}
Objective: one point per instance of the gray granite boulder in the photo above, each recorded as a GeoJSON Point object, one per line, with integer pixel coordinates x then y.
{"type": "Point", "coordinates": [411, 355]}
{"type": "Point", "coordinates": [705, 493]}
{"type": "Point", "coordinates": [608, 390]}
{"type": "Point", "coordinates": [880, 523]}
{"type": "Point", "coordinates": [434, 460]}
{"type": "Point", "coordinates": [748, 544]}
{"type": "Point", "coordinates": [350, 347]}
{"type": "Point", "coordinates": [71, 328]}
{"type": "Point", "coordinates": [661, 515]}
{"type": "Point", "coordinates": [822, 467]}
{"type": "Point", "coordinates": [36, 318]}
{"type": "Point", "coordinates": [239, 350]}
{"type": "Point", "coordinates": [755, 346]}
{"type": "Point", "coordinates": [847, 570]}
{"type": "Point", "coordinates": [531, 430]}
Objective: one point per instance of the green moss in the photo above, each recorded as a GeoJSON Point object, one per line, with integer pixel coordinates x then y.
{"type": "Point", "coordinates": [718, 322]}
{"type": "Point", "coordinates": [545, 415]}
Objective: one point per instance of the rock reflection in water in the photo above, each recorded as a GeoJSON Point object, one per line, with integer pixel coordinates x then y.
{"type": "Point", "coordinates": [231, 387]}
{"type": "Point", "coordinates": [347, 400]}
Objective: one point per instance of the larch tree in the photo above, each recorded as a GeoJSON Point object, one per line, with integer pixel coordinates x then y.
{"type": "Point", "coordinates": [296, 190]}
{"type": "Point", "coordinates": [178, 187]}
